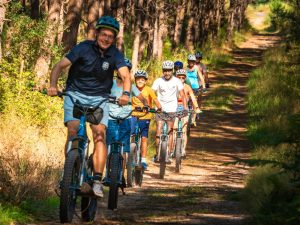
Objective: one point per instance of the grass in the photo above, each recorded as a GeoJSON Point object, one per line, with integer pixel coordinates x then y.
{"type": "Point", "coordinates": [28, 212]}
{"type": "Point", "coordinates": [222, 97]}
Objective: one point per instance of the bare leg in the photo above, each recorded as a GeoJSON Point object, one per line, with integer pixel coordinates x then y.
{"type": "Point", "coordinates": [100, 151]}
{"type": "Point", "coordinates": [72, 132]}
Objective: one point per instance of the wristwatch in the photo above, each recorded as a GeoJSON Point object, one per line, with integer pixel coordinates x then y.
{"type": "Point", "coordinates": [126, 93]}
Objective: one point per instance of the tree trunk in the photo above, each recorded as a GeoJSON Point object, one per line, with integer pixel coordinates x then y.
{"type": "Point", "coordinates": [92, 17]}
{"type": "Point", "coordinates": [180, 14]}
{"type": "Point", "coordinates": [190, 27]}
{"type": "Point", "coordinates": [161, 29]}
{"type": "Point", "coordinates": [137, 37]}
{"type": "Point", "coordinates": [120, 18]}
{"type": "Point", "coordinates": [107, 8]}
{"type": "Point", "coordinates": [101, 8]}
{"type": "Point", "coordinates": [43, 62]}
{"type": "Point", "coordinates": [34, 9]}
{"type": "Point", "coordinates": [2, 19]}
{"type": "Point", "coordinates": [72, 22]}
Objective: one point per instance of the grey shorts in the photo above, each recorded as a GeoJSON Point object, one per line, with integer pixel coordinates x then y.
{"type": "Point", "coordinates": [170, 116]}
{"type": "Point", "coordinates": [84, 99]}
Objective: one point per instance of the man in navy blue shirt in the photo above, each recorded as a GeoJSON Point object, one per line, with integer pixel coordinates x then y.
{"type": "Point", "coordinates": [90, 80]}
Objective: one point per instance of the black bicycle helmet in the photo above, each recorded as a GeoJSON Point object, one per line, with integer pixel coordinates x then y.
{"type": "Point", "coordinates": [108, 22]}
{"type": "Point", "coordinates": [199, 54]}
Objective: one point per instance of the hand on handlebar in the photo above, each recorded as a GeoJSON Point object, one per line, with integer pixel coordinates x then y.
{"type": "Point", "coordinates": [146, 108]}
{"type": "Point", "coordinates": [123, 100]}
{"type": "Point", "coordinates": [52, 91]}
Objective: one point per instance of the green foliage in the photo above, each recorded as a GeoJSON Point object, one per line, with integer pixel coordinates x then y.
{"type": "Point", "coordinates": [270, 196]}
{"type": "Point", "coordinates": [274, 108]}
{"type": "Point", "coordinates": [285, 16]}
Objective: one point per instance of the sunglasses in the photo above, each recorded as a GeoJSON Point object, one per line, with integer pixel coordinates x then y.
{"type": "Point", "coordinates": [181, 78]}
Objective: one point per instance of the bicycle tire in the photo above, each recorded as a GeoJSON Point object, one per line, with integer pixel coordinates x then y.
{"type": "Point", "coordinates": [178, 151]}
{"type": "Point", "coordinates": [162, 160]}
{"type": "Point", "coordinates": [114, 178]}
{"type": "Point", "coordinates": [88, 204]}
{"type": "Point", "coordinates": [139, 177]}
{"type": "Point", "coordinates": [130, 166]}
{"type": "Point", "coordinates": [70, 178]}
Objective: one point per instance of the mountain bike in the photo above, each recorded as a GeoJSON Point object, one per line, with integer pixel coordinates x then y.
{"type": "Point", "coordinates": [114, 164]}
{"type": "Point", "coordinates": [135, 170]}
{"type": "Point", "coordinates": [77, 176]}
{"type": "Point", "coordinates": [163, 148]}
{"type": "Point", "coordinates": [179, 141]}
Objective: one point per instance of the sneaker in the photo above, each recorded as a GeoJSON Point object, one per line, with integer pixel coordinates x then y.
{"type": "Point", "coordinates": [98, 188]}
{"type": "Point", "coordinates": [172, 154]}
{"type": "Point", "coordinates": [144, 165]}
{"type": "Point", "coordinates": [169, 160]}
{"type": "Point", "coordinates": [154, 159]}
{"type": "Point", "coordinates": [194, 124]}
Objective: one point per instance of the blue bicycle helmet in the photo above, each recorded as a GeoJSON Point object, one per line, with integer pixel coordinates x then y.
{"type": "Point", "coordinates": [141, 73]}
{"type": "Point", "coordinates": [178, 64]}
{"type": "Point", "coordinates": [108, 22]}
{"type": "Point", "coordinates": [128, 63]}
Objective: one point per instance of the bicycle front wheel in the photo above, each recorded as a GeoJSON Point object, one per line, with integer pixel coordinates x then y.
{"type": "Point", "coordinates": [131, 165]}
{"type": "Point", "coordinates": [69, 184]}
{"type": "Point", "coordinates": [162, 159]}
{"type": "Point", "coordinates": [178, 151]}
{"type": "Point", "coordinates": [89, 204]}
{"type": "Point", "coordinates": [114, 168]}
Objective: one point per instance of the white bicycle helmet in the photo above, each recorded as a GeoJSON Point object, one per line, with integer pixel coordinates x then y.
{"type": "Point", "coordinates": [181, 72]}
{"type": "Point", "coordinates": [141, 73]}
{"type": "Point", "coordinates": [168, 65]}
{"type": "Point", "coordinates": [192, 57]}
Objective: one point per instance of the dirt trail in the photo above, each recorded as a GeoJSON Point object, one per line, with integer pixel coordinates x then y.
{"type": "Point", "coordinates": [204, 191]}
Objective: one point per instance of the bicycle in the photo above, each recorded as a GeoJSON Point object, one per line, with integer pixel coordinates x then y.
{"type": "Point", "coordinates": [163, 149]}
{"type": "Point", "coordinates": [135, 170]}
{"type": "Point", "coordinates": [114, 164]}
{"type": "Point", "coordinates": [179, 141]}
{"type": "Point", "coordinates": [77, 176]}
{"type": "Point", "coordinates": [190, 117]}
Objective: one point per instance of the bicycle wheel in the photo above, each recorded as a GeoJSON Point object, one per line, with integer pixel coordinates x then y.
{"type": "Point", "coordinates": [188, 125]}
{"type": "Point", "coordinates": [162, 159]}
{"type": "Point", "coordinates": [114, 167]}
{"type": "Point", "coordinates": [89, 204]}
{"type": "Point", "coordinates": [138, 174]}
{"type": "Point", "coordinates": [131, 165]}
{"type": "Point", "coordinates": [68, 187]}
{"type": "Point", "coordinates": [178, 151]}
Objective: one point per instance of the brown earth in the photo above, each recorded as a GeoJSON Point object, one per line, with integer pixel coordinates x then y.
{"type": "Point", "coordinates": [205, 191]}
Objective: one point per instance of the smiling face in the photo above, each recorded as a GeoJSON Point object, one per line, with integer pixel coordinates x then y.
{"type": "Point", "coordinates": [105, 38]}
{"type": "Point", "coordinates": [140, 82]}
{"type": "Point", "coordinates": [191, 63]}
{"type": "Point", "coordinates": [181, 78]}
{"type": "Point", "coordinates": [168, 74]}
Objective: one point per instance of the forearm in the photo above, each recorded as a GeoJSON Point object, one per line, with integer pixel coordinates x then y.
{"type": "Point", "coordinates": [55, 73]}
{"type": "Point", "coordinates": [157, 103]}
{"type": "Point", "coordinates": [201, 76]}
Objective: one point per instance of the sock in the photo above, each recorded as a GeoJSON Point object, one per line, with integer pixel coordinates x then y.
{"type": "Point", "coordinates": [144, 160]}
{"type": "Point", "coordinates": [98, 176]}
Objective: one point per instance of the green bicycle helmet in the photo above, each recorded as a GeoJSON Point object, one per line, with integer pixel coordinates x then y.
{"type": "Point", "coordinates": [108, 22]}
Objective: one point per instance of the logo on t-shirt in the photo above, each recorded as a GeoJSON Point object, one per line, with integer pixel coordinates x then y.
{"type": "Point", "coordinates": [105, 65]}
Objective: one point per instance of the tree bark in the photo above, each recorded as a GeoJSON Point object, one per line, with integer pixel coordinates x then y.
{"type": "Point", "coordinates": [92, 17]}
{"type": "Point", "coordinates": [43, 62]}
{"type": "Point", "coordinates": [2, 19]}
{"type": "Point", "coordinates": [161, 29]}
{"type": "Point", "coordinates": [120, 18]}
{"type": "Point", "coordinates": [137, 37]}
{"type": "Point", "coordinates": [190, 27]}
{"type": "Point", "coordinates": [72, 22]}
{"type": "Point", "coordinates": [180, 14]}
{"type": "Point", "coordinates": [34, 9]}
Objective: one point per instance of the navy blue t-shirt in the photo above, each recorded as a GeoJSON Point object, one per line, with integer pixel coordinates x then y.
{"type": "Point", "coordinates": [90, 73]}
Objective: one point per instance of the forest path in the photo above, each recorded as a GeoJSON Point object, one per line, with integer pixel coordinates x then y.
{"type": "Point", "coordinates": [205, 190]}
{"type": "Point", "coordinates": [203, 193]}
